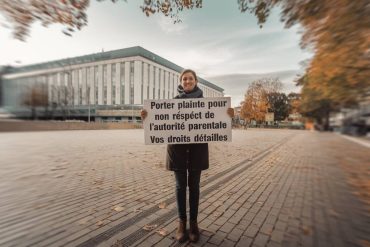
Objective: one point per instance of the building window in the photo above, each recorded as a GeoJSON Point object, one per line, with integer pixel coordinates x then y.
{"type": "Point", "coordinates": [164, 85]}
{"type": "Point", "coordinates": [159, 83]}
{"type": "Point", "coordinates": [77, 87]}
{"type": "Point", "coordinates": [96, 83]}
{"type": "Point", "coordinates": [122, 81]}
{"type": "Point", "coordinates": [148, 80]}
{"type": "Point", "coordinates": [56, 86]}
{"type": "Point", "coordinates": [154, 80]}
{"type": "Point", "coordinates": [142, 82]}
{"type": "Point", "coordinates": [174, 89]}
{"type": "Point", "coordinates": [132, 71]}
{"type": "Point", "coordinates": [105, 84]}
{"type": "Point", "coordinates": [88, 85]}
{"type": "Point", "coordinates": [80, 85]}
{"type": "Point", "coordinates": [113, 84]}
{"type": "Point", "coordinates": [168, 84]}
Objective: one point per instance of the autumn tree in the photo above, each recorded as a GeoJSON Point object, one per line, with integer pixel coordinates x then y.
{"type": "Point", "coordinates": [256, 101]}
{"type": "Point", "coordinates": [338, 75]}
{"type": "Point", "coordinates": [294, 101]}
{"type": "Point", "coordinates": [22, 14]}
{"type": "Point", "coordinates": [255, 104]}
{"type": "Point", "coordinates": [314, 105]}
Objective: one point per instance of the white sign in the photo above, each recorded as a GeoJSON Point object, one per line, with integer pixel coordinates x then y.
{"type": "Point", "coordinates": [183, 121]}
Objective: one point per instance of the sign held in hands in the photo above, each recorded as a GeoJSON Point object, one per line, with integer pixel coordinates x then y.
{"type": "Point", "coordinates": [184, 121]}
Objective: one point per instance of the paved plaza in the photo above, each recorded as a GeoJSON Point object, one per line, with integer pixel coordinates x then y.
{"type": "Point", "coordinates": [106, 188]}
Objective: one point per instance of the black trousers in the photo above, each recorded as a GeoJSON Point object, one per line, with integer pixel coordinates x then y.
{"type": "Point", "coordinates": [183, 179]}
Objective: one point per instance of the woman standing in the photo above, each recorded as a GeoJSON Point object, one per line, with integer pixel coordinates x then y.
{"type": "Point", "coordinates": [187, 161]}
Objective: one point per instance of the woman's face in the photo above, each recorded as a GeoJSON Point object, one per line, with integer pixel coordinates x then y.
{"type": "Point", "coordinates": [188, 82]}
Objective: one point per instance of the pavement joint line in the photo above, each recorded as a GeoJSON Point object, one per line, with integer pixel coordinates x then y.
{"type": "Point", "coordinates": [124, 225]}
{"type": "Point", "coordinates": [135, 236]}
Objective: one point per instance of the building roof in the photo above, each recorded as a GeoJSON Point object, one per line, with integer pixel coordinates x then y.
{"type": "Point", "coordinates": [121, 53]}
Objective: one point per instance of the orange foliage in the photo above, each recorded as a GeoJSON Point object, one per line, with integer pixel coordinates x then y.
{"type": "Point", "coordinates": [255, 105]}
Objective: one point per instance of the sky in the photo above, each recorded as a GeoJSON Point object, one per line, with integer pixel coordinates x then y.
{"type": "Point", "coordinates": [221, 44]}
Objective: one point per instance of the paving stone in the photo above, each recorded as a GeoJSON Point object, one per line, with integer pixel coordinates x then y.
{"type": "Point", "coordinates": [235, 234]}
{"type": "Point", "coordinates": [244, 242]}
{"type": "Point", "coordinates": [227, 243]}
{"type": "Point", "coordinates": [217, 238]}
{"type": "Point", "coordinates": [260, 240]}
{"type": "Point", "coordinates": [251, 231]}
{"type": "Point", "coordinates": [227, 227]}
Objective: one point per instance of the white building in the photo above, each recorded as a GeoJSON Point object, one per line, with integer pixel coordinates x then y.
{"type": "Point", "coordinates": [108, 86]}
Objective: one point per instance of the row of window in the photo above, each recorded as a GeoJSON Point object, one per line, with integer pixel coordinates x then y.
{"type": "Point", "coordinates": [82, 87]}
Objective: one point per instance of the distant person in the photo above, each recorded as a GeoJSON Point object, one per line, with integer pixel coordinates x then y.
{"type": "Point", "coordinates": [187, 161]}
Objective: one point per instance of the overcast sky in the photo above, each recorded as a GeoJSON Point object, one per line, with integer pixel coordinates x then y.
{"type": "Point", "coordinates": [216, 41]}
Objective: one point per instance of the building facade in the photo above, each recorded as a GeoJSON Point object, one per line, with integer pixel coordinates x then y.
{"type": "Point", "coordinates": [107, 86]}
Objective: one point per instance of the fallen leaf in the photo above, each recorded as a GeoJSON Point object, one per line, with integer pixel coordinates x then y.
{"type": "Point", "coordinates": [137, 210]}
{"type": "Point", "coordinates": [99, 223]}
{"type": "Point", "coordinates": [82, 222]}
{"type": "Point", "coordinates": [162, 205]}
{"type": "Point", "coordinates": [306, 230]}
{"type": "Point", "coordinates": [207, 230]}
{"type": "Point", "coordinates": [149, 227]}
{"type": "Point", "coordinates": [218, 214]}
{"type": "Point", "coordinates": [163, 232]}
{"type": "Point", "coordinates": [333, 213]}
{"type": "Point", "coordinates": [118, 208]}
{"type": "Point", "coordinates": [59, 176]}
{"type": "Point", "coordinates": [98, 182]}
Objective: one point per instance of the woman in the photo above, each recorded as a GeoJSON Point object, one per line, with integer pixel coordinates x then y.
{"type": "Point", "coordinates": [187, 161]}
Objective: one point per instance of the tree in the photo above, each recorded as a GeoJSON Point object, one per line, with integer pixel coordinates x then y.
{"type": "Point", "coordinates": [313, 104]}
{"type": "Point", "coordinates": [278, 104]}
{"type": "Point", "coordinates": [36, 96]}
{"type": "Point", "coordinates": [22, 13]}
{"type": "Point", "coordinates": [256, 104]}
{"type": "Point", "coordinates": [340, 69]}
{"type": "Point", "coordinates": [294, 101]}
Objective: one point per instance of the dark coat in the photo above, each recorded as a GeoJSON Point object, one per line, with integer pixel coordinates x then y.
{"type": "Point", "coordinates": [187, 156]}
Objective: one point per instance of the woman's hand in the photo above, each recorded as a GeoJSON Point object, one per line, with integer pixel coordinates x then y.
{"type": "Point", "coordinates": [143, 114]}
{"type": "Point", "coordinates": [230, 112]}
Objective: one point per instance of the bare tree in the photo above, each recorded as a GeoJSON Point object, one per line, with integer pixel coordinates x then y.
{"type": "Point", "coordinates": [36, 96]}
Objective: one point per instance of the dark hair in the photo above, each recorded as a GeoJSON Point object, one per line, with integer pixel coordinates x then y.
{"type": "Point", "coordinates": [187, 71]}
